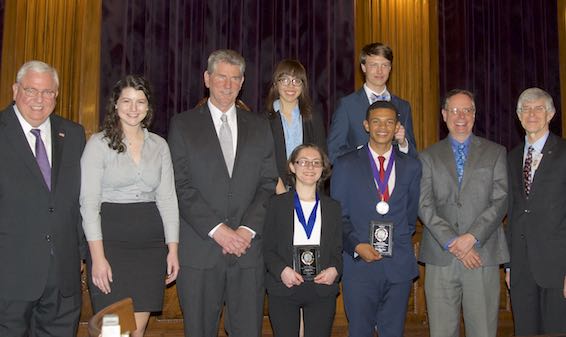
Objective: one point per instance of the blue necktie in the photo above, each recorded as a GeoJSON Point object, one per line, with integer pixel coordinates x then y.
{"type": "Point", "coordinates": [41, 157]}
{"type": "Point", "coordinates": [383, 97]}
{"type": "Point", "coordinates": [460, 161]}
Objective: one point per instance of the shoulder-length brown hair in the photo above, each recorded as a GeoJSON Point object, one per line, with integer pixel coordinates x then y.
{"type": "Point", "coordinates": [294, 68]}
{"type": "Point", "coordinates": [326, 169]}
{"type": "Point", "coordinates": [112, 127]}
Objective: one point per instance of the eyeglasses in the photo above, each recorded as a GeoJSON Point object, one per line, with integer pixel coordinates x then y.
{"type": "Point", "coordinates": [466, 111]}
{"type": "Point", "coordinates": [384, 66]}
{"type": "Point", "coordinates": [305, 163]}
{"type": "Point", "coordinates": [32, 92]}
{"type": "Point", "coordinates": [286, 81]}
{"type": "Point", "coordinates": [536, 109]}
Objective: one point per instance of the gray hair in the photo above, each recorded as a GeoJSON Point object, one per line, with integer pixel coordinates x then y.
{"type": "Point", "coordinates": [533, 94]}
{"type": "Point", "coordinates": [226, 55]}
{"type": "Point", "coordinates": [38, 67]}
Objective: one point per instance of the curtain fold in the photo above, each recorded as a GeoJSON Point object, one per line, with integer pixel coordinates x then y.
{"type": "Point", "coordinates": [169, 42]}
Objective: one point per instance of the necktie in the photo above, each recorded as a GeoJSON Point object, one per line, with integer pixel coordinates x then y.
{"type": "Point", "coordinates": [41, 157]}
{"type": "Point", "coordinates": [383, 97]}
{"type": "Point", "coordinates": [460, 162]}
{"type": "Point", "coordinates": [382, 176]}
{"type": "Point", "coordinates": [527, 170]}
{"type": "Point", "coordinates": [226, 143]}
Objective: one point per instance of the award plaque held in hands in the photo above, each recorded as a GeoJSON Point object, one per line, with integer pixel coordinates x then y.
{"type": "Point", "coordinates": [306, 261]}
{"type": "Point", "coordinates": [381, 237]}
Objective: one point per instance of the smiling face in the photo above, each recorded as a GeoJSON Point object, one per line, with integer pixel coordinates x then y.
{"type": "Point", "coordinates": [289, 89]}
{"type": "Point", "coordinates": [459, 115]}
{"type": "Point", "coordinates": [224, 84]}
{"type": "Point", "coordinates": [376, 69]}
{"type": "Point", "coordinates": [132, 107]}
{"type": "Point", "coordinates": [535, 118]}
{"type": "Point", "coordinates": [308, 167]}
{"type": "Point", "coordinates": [35, 96]}
{"type": "Point", "coordinates": [381, 124]}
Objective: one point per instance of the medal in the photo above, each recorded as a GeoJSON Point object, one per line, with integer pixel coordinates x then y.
{"type": "Point", "coordinates": [382, 207]}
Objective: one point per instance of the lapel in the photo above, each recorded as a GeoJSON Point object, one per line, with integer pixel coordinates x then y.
{"type": "Point", "coordinates": [243, 138]}
{"type": "Point", "coordinates": [209, 133]}
{"type": "Point", "coordinates": [57, 143]}
{"type": "Point", "coordinates": [447, 158]}
{"type": "Point", "coordinates": [18, 142]}
{"type": "Point", "coordinates": [516, 166]}
{"type": "Point", "coordinates": [546, 164]}
{"type": "Point", "coordinates": [363, 98]}
{"type": "Point", "coordinates": [367, 174]}
{"type": "Point", "coordinates": [474, 155]}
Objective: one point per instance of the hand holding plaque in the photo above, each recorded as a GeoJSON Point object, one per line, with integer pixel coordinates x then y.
{"type": "Point", "coordinates": [381, 237]}
{"type": "Point", "coordinates": [306, 261]}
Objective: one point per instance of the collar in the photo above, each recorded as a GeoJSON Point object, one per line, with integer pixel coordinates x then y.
{"type": "Point", "coordinates": [216, 113]}
{"type": "Point", "coordinates": [370, 93]}
{"type": "Point", "coordinates": [45, 127]}
{"type": "Point", "coordinates": [539, 144]}
{"type": "Point", "coordinates": [455, 143]}
{"type": "Point", "coordinates": [374, 154]}
{"type": "Point", "coordinates": [277, 107]}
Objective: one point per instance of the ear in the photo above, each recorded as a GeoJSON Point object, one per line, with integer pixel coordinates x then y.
{"type": "Point", "coordinates": [366, 125]}
{"type": "Point", "coordinates": [397, 126]}
{"type": "Point", "coordinates": [444, 115]}
{"type": "Point", "coordinates": [363, 68]}
{"type": "Point", "coordinates": [207, 79]}
{"type": "Point", "coordinates": [292, 168]}
{"type": "Point", "coordinates": [14, 91]}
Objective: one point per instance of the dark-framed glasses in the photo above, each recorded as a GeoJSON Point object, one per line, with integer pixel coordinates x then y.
{"type": "Point", "coordinates": [32, 92]}
{"type": "Point", "coordinates": [306, 163]}
{"type": "Point", "coordinates": [287, 81]}
{"type": "Point", "coordinates": [465, 111]}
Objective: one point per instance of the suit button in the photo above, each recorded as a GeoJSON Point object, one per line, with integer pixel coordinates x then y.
{"type": "Point", "coordinates": [48, 238]}
{"type": "Point", "coordinates": [51, 209]}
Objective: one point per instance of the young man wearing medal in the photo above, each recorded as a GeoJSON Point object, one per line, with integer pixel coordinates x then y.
{"type": "Point", "coordinates": [378, 188]}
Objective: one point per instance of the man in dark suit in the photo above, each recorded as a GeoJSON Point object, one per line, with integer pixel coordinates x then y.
{"type": "Point", "coordinates": [376, 287]}
{"type": "Point", "coordinates": [40, 228]}
{"type": "Point", "coordinates": [224, 172]}
{"type": "Point", "coordinates": [346, 130]}
{"type": "Point", "coordinates": [463, 201]}
{"type": "Point", "coordinates": [537, 221]}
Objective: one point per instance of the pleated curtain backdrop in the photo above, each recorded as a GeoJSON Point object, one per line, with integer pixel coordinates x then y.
{"type": "Point", "coordinates": [169, 42]}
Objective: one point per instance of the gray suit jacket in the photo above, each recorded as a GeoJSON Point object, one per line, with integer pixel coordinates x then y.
{"type": "Point", "coordinates": [208, 195]}
{"type": "Point", "coordinates": [478, 207]}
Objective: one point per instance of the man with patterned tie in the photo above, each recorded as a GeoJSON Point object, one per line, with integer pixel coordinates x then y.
{"type": "Point", "coordinates": [537, 221]}
{"type": "Point", "coordinates": [463, 201]}
{"type": "Point", "coordinates": [346, 130]}
{"type": "Point", "coordinates": [378, 188]}
{"type": "Point", "coordinates": [40, 225]}
{"type": "Point", "coordinates": [225, 172]}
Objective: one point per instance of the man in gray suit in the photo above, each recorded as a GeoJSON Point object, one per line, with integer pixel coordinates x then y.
{"type": "Point", "coordinates": [463, 201]}
{"type": "Point", "coordinates": [225, 171]}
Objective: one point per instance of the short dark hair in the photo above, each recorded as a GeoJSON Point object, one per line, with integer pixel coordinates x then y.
{"type": "Point", "coordinates": [455, 92]}
{"type": "Point", "coordinates": [382, 105]}
{"type": "Point", "coordinates": [376, 48]}
{"type": "Point", "coordinates": [326, 170]}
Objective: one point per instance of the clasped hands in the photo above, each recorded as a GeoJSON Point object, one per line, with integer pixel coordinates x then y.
{"type": "Point", "coordinates": [463, 249]}
{"type": "Point", "coordinates": [291, 278]}
{"type": "Point", "coordinates": [234, 242]}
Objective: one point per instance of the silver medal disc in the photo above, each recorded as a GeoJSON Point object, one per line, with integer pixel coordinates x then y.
{"type": "Point", "coordinates": [382, 207]}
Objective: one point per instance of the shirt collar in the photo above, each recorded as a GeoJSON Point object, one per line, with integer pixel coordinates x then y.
{"type": "Point", "coordinates": [216, 113]}
{"type": "Point", "coordinates": [539, 144]}
{"type": "Point", "coordinates": [277, 107]}
{"type": "Point", "coordinates": [370, 93]}
{"type": "Point", "coordinates": [45, 127]}
{"type": "Point", "coordinates": [455, 143]}
{"type": "Point", "coordinates": [374, 154]}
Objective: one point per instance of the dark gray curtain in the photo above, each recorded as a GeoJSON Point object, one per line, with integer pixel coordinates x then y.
{"type": "Point", "coordinates": [169, 42]}
{"type": "Point", "coordinates": [496, 49]}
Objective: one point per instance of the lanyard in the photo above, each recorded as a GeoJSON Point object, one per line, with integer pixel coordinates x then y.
{"type": "Point", "coordinates": [308, 226]}
{"type": "Point", "coordinates": [381, 185]}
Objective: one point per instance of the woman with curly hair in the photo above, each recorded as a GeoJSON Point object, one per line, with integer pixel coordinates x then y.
{"type": "Point", "coordinates": [129, 205]}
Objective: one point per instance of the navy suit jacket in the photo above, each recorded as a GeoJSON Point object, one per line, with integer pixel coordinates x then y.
{"type": "Point", "coordinates": [347, 131]}
{"type": "Point", "coordinates": [353, 186]}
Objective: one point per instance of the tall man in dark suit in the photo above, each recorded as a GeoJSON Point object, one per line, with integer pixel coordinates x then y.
{"type": "Point", "coordinates": [537, 221]}
{"type": "Point", "coordinates": [346, 130]}
{"type": "Point", "coordinates": [40, 228]}
{"type": "Point", "coordinates": [381, 204]}
{"type": "Point", "coordinates": [463, 201]}
{"type": "Point", "coordinates": [225, 171]}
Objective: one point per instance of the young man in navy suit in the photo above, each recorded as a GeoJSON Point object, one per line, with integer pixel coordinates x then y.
{"type": "Point", "coordinates": [378, 188]}
{"type": "Point", "coordinates": [346, 130]}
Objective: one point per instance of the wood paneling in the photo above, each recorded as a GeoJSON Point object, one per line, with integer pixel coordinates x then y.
{"type": "Point", "coordinates": [65, 34]}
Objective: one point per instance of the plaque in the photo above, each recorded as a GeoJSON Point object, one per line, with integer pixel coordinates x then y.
{"type": "Point", "coordinates": [306, 261]}
{"type": "Point", "coordinates": [381, 237]}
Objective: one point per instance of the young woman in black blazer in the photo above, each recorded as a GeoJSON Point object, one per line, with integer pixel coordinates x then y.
{"type": "Point", "coordinates": [291, 116]}
{"type": "Point", "coordinates": [298, 223]}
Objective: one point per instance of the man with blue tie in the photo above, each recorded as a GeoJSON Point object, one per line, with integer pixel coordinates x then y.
{"type": "Point", "coordinates": [378, 188]}
{"type": "Point", "coordinates": [462, 203]}
{"type": "Point", "coordinates": [346, 130]}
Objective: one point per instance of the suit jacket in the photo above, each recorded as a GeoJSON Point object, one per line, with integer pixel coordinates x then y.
{"type": "Point", "coordinates": [313, 132]}
{"type": "Point", "coordinates": [537, 224]}
{"type": "Point", "coordinates": [347, 131]}
{"type": "Point", "coordinates": [353, 186]}
{"type": "Point", "coordinates": [477, 207]}
{"type": "Point", "coordinates": [278, 243]}
{"type": "Point", "coordinates": [208, 195]}
{"type": "Point", "coordinates": [35, 221]}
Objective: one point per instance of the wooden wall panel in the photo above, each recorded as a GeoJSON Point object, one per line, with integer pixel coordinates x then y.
{"type": "Point", "coordinates": [65, 34]}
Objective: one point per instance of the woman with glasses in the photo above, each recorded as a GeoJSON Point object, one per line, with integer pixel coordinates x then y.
{"type": "Point", "coordinates": [292, 118]}
{"type": "Point", "coordinates": [129, 206]}
{"type": "Point", "coordinates": [302, 248]}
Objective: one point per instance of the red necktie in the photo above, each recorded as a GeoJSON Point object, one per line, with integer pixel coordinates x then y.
{"type": "Point", "coordinates": [382, 177]}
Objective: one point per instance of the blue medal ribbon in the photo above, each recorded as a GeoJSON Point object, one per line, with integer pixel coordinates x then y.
{"type": "Point", "coordinates": [381, 185]}
{"type": "Point", "coordinates": [308, 226]}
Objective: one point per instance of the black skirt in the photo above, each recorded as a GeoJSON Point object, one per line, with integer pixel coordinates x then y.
{"type": "Point", "coordinates": [134, 245]}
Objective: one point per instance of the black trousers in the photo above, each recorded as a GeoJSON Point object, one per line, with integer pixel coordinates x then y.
{"type": "Point", "coordinates": [49, 316]}
{"type": "Point", "coordinates": [318, 312]}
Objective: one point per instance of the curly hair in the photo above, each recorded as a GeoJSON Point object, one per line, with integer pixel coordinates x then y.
{"type": "Point", "coordinates": [294, 68]}
{"type": "Point", "coordinates": [112, 126]}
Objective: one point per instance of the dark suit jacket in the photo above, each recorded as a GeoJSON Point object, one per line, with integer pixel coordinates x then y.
{"type": "Point", "coordinates": [208, 195]}
{"type": "Point", "coordinates": [353, 186]}
{"type": "Point", "coordinates": [278, 243]}
{"type": "Point", "coordinates": [537, 225]}
{"type": "Point", "coordinates": [34, 220]}
{"type": "Point", "coordinates": [347, 131]}
{"type": "Point", "coordinates": [313, 132]}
